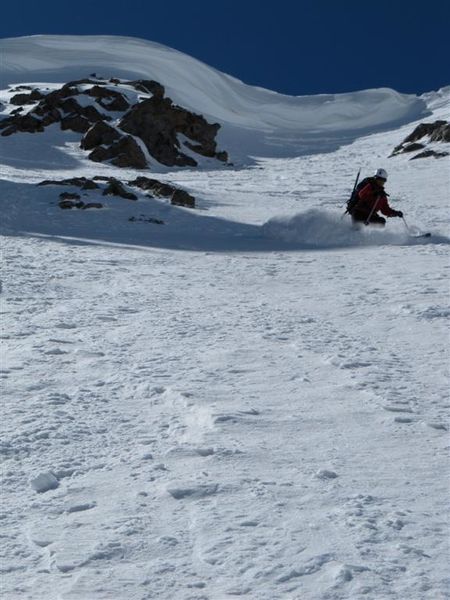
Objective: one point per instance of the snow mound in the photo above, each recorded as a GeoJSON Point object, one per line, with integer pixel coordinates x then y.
{"type": "Point", "coordinates": [322, 230]}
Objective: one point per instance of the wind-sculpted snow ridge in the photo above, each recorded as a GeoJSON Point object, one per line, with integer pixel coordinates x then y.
{"type": "Point", "coordinates": [325, 230]}
{"type": "Point", "coordinates": [255, 121]}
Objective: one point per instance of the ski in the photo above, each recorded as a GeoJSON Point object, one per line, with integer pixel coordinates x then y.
{"type": "Point", "coordinates": [420, 235]}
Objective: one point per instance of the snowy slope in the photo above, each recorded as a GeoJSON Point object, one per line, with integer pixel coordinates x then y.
{"type": "Point", "coordinates": [255, 120]}
{"type": "Point", "coordinates": [250, 400]}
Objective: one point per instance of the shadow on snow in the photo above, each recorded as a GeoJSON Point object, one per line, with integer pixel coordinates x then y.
{"type": "Point", "coordinates": [34, 211]}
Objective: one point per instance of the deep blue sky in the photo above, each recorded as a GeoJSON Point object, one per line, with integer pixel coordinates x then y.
{"type": "Point", "coordinates": [291, 46]}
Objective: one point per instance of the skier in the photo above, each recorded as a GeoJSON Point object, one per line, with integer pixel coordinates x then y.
{"type": "Point", "coordinates": [370, 198]}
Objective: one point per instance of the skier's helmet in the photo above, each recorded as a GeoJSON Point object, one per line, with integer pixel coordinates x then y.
{"type": "Point", "coordinates": [381, 174]}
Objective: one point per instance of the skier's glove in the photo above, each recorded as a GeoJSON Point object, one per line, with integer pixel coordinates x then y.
{"type": "Point", "coordinates": [399, 214]}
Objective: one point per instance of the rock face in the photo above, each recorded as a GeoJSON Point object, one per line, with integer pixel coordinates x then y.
{"type": "Point", "coordinates": [125, 152]}
{"type": "Point", "coordinates": [158, 189]}
{"type": "Point", "coordinates": [439, 131]}
{"type": "Point", "coordinates": [158, 122]}
{"type": "Point", "coordinates": [120, 121]}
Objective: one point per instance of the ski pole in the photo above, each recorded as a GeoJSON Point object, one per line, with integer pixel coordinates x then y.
{"type": "Point", "coordinates": [417, 233]}
{"type": "Point", "coordinates": [406, 225]}
{"type": "Point", "coordinates": [367, 221]}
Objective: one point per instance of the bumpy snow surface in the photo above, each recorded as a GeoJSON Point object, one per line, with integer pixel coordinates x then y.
{"type": "Point", "coordinates": [247, 401]}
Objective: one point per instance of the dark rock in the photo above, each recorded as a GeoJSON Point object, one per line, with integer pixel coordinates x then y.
{"type": "Point", "coordinates": [429, 153]}
{"type": "Point", "coordinates": [109, 99]}
{"type": "Point", "coordinates": [16, 111]}
{"type": "Point", "coordinates": [71, 106]}
{"type": "Point", "coordinates": [144, 219]}
{"type": "Point", "coordinates": [126, 152]}
{"type": "Point", "coordinates": [413, 147]}
{"type": "Point", "coordinates": [129, 154]}
{"type": "Point", "coordinates": [55, 98]}
{"type": "Point", "coordinates": [93, 115]}
{"type": "Point", "coordinates": [439, 131]}
{"type": "Point", "coordinates": [222, 156]}
{"type": "Point", "coordinates": [65, 204]}
{"type": "Point", "coordinates": [182, 198]}
{"type": "Point", "coordinates": [53, 116]}
{"type": "Point", "coordinates": [424, 129]}
{"type": "Point", "coordinates": [77, 82]}
{"type": "Point", "coordinates": [75, 123]}
{"type": "Point", "coordinates": [441, 134]}
{"type": "Point", "coordinates": [115, 188]}
{"type": "Point", "coordinates": [92, 205]}
{"type": "Point", "coordinates": [26, 123]}
{"type": "Point", "coordinates": [82, 182]}
{"type": "Point", "coordinates": [157, 188]}
{"type": "Point", "coordinates": [148, 86]}
{"type": "Point", "coordinates": [9, 131]}
{"type": "Point", "coordinates": [21, 99]}
{"type": "Point", "coordinates": [102, 154]}
{"type": "Point", "coordinates": [69, 196]}
{"type": "Point", "coordinates": [98, 135]}
{"type": "Point", "coordinates": [158, 122]}
{"type": "Point", "coordinates": [88, 184]}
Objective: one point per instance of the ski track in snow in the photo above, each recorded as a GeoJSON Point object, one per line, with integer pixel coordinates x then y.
{"type": "Point", "coordinates": [209, 425]}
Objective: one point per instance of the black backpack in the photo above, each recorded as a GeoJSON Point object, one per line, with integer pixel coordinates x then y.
{"type": "Point", "coordinates": [353, 201]}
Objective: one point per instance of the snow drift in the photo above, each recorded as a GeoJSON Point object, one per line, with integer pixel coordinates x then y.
{"type": "Point", "coordinates": [254, 120]}
{"type": "Point", "coordinates": [322, 229]}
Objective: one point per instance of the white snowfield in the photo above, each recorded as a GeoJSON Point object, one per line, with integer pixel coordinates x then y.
{"type": "Point", "coordinates": [249, 400]}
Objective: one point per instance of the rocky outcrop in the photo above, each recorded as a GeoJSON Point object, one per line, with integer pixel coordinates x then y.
{"type": "Point", "coordinates": [158, 189]}
{"type": "Point", "coordinates": [69, 196]}
{"type": "Point", "coordinates": [81, 182]}
{"type": "Point", "coordinates": [439, 131]}
{"type": "Point", "coordinates": [22, 99]}
{"type": "Point", "coordinates": [182, 198]}
{"type": "Point", "coordinates": [158, 122]}
{"type": "Point", "coordinates": [75, 123]}
{"type": "Point", "coordinates": [108, 99]}
{"type": "Point", "coordinates": [116, 188]}
{"type": "Point", "coordinates": [126, 152]}
{"type": "Point", "coordinates": [100, 134]}
{"type": "Point", "coordinates": [144, 219]}
{"type": "Point", "coordinates": [428, 153]}
{"type": "Point", "coordinates": [111, 186]}
{"type": "Point", "coordinates": [172, 135]}
{"type": "Point", "coordinates": [69, 204]}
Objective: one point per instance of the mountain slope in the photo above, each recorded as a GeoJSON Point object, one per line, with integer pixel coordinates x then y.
{"type": "Point", "coordinates": [249, 399]}
{"type": "Point", "coordinates": [255, 120]}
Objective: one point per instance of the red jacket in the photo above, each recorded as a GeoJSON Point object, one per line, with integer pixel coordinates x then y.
{"type": "Point", "coordinates": [371, 195]}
